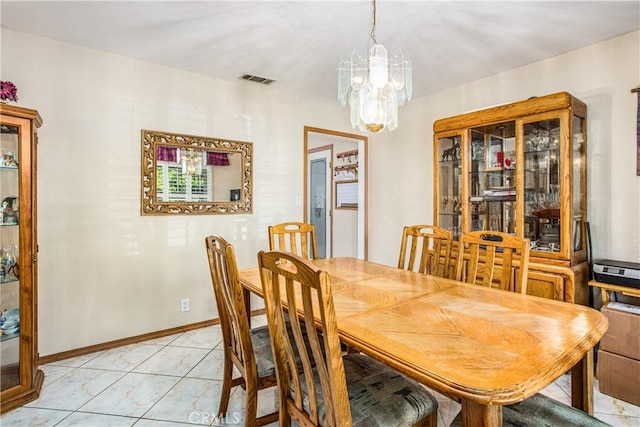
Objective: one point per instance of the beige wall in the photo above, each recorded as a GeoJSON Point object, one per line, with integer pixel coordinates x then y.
{"type": "Point", "coordinates": [108, 273]}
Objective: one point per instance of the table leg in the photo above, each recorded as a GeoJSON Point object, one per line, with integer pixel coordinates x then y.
{"type": "Point", "coordinates": [247, 303]}
{"type": "Point", "coordinates": [476, 414]}
{"type": "Point", "coordinates": [582, 384]}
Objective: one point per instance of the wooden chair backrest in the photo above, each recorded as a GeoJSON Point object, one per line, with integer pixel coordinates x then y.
{"type": "Point", "coordinates": [295, 237]}
{"type": "Point", "coordinates": [430, 246]}
{"type": "Point", "coordinates": [292, 282]}
{"type": "Point", "coordinates": [231, 305]}
{"type": "Point", "coordinates": [483, 254]}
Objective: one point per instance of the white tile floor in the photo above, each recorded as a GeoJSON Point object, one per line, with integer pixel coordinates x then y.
{"type": "Point", "coordinates": [175, 381]}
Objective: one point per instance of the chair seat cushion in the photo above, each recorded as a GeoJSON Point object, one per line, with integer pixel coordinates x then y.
{"type": "Point", "coordinates": [542, 411]}
{"type": "Point", "coordinates": [262, 350]}
{"type": "Point", "coordinates": [378, 395]}
{"type": "Point", "coordinates": [261, 341]}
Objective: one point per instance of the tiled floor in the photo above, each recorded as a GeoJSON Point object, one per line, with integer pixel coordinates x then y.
{"type": "Point", "coordinates": [175, 381]}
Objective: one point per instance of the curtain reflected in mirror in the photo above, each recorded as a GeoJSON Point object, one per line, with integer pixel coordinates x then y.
{"type": "Point", "coordinates": [185, 174]}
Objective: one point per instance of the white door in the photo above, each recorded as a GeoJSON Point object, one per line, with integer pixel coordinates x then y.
{"type": "Point", "coordinates": [319, 202]}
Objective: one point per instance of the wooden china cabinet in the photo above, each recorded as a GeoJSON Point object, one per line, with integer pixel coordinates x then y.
{"type": "Point", "coordinates": [521, 169]}
{"type": "Point", "coordinates": [21, 378]}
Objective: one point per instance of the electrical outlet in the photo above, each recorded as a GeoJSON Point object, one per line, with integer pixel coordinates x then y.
{"type": "Point", "coordinates": [184, 304]}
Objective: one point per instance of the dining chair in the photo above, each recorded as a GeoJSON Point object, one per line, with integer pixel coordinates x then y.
{"type": "Point", "coordinates": [249, 350]}
{"type": "Point", "coordinates": [493, 259]}
{"type": "Point", "coordinates": [333, 390]}
{"type": "Point", "coordinates": [430, 246]}
{"type": "Point", "coordinates": [296, 237]}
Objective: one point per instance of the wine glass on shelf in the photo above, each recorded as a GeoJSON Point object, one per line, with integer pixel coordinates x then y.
{"type": "Point", "coordinates": [534, 138]}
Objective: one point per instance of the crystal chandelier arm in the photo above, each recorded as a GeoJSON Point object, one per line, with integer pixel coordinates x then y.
{"type": "Point", "coordinates": [344, 79]}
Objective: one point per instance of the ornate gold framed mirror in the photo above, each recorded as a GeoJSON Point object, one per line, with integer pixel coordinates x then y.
{"type": "Point", "coordinates": [186, 174]}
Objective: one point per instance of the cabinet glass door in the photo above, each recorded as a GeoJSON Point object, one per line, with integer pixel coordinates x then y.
{"type": "Point", "coordinates": [578, 203]}
{"type": "Point", "coordinates": [9, 269]}
{"type": "Point", "coordinates": [542, 184]}
{"type": "Point", "coordinates": [449, 186]}
{"type": "Point", "coordinates": [492, 178]}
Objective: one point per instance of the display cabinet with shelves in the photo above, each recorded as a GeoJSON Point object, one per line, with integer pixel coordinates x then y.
{"type": "Point", "coordinates": [520, 168]}
{"type": "Point", "coordinates": [21, 379]}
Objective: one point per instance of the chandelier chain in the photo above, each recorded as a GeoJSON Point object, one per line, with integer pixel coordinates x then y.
{"type": "Point", "coordinates": [373, 24]}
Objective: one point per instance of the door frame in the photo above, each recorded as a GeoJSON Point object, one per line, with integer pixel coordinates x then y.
{"type": "Point", "coordinates": [363, 182]}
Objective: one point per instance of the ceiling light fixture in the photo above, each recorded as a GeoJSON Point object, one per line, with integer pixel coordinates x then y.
{"type": "Point", "coordinates": [374, 86]}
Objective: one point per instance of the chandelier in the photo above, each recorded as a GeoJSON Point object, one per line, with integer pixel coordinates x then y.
{"type": "Point", "coordinates": [374, 86]}
{"type": "Point", "coordinates": [192, 160]}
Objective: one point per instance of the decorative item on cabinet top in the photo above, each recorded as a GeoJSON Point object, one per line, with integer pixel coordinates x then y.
{"type": "Point", "coordinates": [8, 92]}
{"type": "Point", "coordinates": [220, 183]}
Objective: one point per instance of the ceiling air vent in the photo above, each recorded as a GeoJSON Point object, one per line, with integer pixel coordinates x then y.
{"type": "Point", "coordinates": [257, 79]}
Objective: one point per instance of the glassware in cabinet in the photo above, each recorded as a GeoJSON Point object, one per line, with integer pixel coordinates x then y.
{"type": "Point", "coordinates": [492, 178]}
{"type": "Point", "coordinates": [579, 183]}
{"type": "Point", "coordinates": [542, 184]}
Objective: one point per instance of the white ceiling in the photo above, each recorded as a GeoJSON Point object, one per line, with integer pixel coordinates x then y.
{"type": "Point", "coordinates": [299, 43]}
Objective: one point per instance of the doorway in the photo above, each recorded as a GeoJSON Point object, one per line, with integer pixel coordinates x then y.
{"type": "Point", "coordinates": [345, 229]}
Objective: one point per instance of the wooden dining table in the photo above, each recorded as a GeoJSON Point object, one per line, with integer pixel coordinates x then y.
{"type": "Point", "coordinates": [483, 347]}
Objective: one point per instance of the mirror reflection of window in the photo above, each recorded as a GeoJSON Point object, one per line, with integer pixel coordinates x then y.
{"type": "Point", "coordinates": [185, 175]}
{"type": "Point", "coordinates": [174, 185]}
